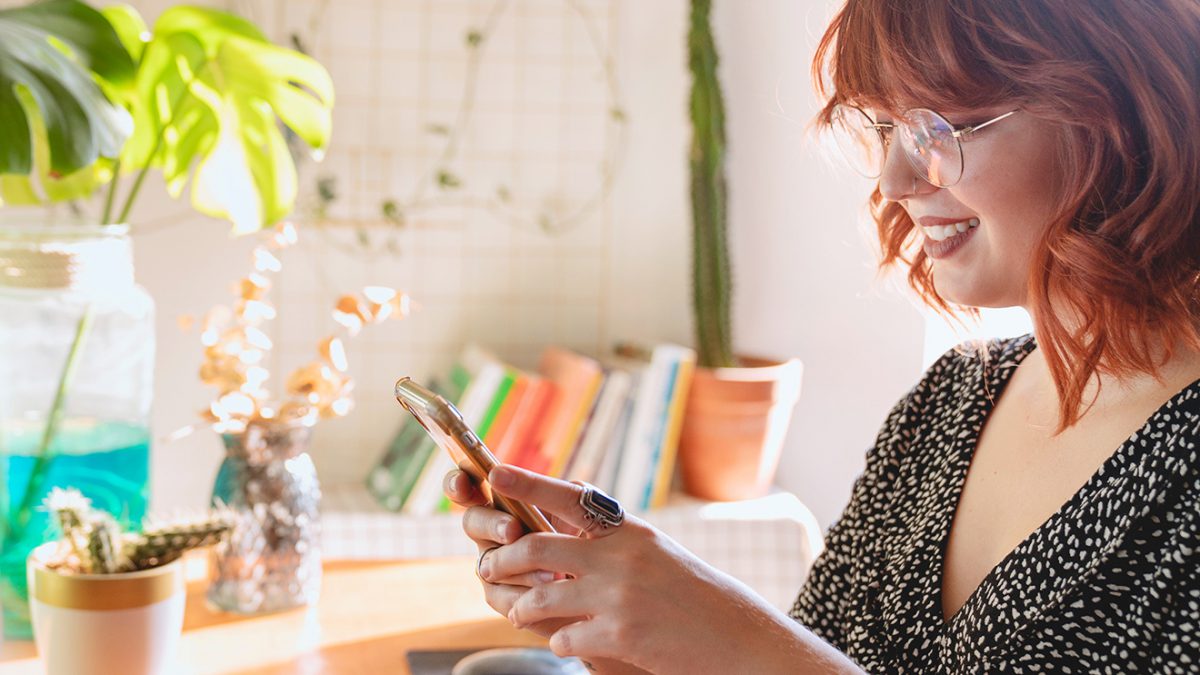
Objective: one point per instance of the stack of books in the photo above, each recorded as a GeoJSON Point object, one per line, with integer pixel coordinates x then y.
{"type": "Point", "coordinates": [612, 422]}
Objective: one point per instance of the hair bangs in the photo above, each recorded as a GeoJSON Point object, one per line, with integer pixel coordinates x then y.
{"type": "Point", "coordinates": [894, 56]}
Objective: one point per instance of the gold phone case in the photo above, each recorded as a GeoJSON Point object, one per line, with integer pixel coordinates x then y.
{"type": "Point", "coordinates": [445, 424]}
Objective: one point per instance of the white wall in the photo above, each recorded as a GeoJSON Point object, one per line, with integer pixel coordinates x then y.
{"type": "Point", "coordinates": [804, 275]}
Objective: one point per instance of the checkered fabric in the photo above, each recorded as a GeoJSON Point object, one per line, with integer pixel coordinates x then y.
{"type": "Point", "coordinates": [768, 543]}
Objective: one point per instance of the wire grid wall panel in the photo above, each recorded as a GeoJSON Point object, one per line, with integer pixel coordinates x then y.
{"type": "Point", "coordinates": [499, 171]}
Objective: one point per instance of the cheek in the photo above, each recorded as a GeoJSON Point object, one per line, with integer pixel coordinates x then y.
{"type": "Point", "coordinates": [1015, 193]}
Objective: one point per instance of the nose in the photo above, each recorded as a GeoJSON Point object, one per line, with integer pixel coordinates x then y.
{"type": "Point", "coordinates": [899, 180]}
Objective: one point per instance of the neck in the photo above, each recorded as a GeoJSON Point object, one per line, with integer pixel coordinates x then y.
{"type": "Point", "coordinates": [1176, 365]}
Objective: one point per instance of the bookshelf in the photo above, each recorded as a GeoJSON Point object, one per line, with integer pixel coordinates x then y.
{"type": "Point", "coordinates": [767, 543]}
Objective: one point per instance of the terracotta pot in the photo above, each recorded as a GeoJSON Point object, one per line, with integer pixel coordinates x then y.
{"type": "Point", "coordinates": [734, 427]}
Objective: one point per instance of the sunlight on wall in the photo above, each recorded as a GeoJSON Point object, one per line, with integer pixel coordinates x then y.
{"type": "Point", "coordinates": [940, 336]}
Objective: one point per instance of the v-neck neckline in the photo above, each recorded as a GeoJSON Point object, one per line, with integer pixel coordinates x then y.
{"type": "Point", "coordinates": [996, 378]}
{"type": "Point", "coordinates": [995, 381]}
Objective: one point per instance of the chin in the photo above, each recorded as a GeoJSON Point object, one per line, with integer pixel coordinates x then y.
{"type": "Point", "coordinates": [973, 295]}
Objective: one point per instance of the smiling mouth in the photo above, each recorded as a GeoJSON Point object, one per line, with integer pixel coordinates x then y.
{"type": "Point", "coordinates": [943, 240]}
{"type": "Point", "coordinates": [944, 232]}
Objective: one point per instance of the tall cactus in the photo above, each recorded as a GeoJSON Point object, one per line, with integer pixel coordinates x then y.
{"type": "Point", "coordinates": [711, 282]}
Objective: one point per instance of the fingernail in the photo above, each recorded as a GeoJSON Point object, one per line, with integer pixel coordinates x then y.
{"type": "Point", "coordinates": [451, 479]}
{"type": "Point", "coordinates": [512, 618]}
{"type": "Point", "coordinates": [501, 477]}
{"type": "Point", "coordinates": [485, 568]}
{"type": "Point", "coordinates": [544, 576]}
{"type": "Point", "coordinates": [502, 532]}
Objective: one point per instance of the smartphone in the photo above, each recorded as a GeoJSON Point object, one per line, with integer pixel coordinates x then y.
{"type": "Point", "coordinates": [445, 424]}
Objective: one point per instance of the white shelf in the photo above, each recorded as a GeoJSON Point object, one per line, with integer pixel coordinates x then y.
{"type": "Point", "coordinates": [768, 543]}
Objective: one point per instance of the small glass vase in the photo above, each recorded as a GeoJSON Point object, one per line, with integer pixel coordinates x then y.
{"type": "Point", "coordinates": [272, 560]}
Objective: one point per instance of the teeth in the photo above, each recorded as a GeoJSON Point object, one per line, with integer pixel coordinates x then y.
{"type": "Point", "coordinates": [944, 232]}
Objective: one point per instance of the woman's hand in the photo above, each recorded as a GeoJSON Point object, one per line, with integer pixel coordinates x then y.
{"type": "Point", "coordinates": [489, 529]}
{"type": "Point", "coordinates": [627, 592]}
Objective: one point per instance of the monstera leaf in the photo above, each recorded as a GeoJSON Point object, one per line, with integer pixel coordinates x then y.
{"type": "Point", "coordinates": [55, 120]}
{"type": "Point", "coordinates": [210, 93]}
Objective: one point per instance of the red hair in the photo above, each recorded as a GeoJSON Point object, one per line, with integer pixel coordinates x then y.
{"type": "Point", "coordinates": [1122, 77]}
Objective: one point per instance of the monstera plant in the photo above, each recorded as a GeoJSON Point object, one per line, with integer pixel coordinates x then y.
{"type": "Point", "coordinates": [87, 96]}
{"type": "Point", "coordinates": [56, 120]}
{"type": "Point", "coordinates": [91, 102]}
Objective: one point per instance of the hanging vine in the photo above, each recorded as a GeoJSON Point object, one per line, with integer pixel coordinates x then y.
{"type": "Point", "coordinates": [439, 185]}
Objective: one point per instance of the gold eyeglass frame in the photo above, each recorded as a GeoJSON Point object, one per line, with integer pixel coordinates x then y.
{"type": "Point", "coordinates": [961, 134]}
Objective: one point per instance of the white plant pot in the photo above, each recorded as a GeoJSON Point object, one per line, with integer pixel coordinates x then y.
{"type": "Point", "coordinates": [105, 624]}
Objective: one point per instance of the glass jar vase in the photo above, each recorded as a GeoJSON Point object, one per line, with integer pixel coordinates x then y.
{"type": "Point", "coordinates": [66, 289]}
{"type": "Point", "coordinates": [272, 560]}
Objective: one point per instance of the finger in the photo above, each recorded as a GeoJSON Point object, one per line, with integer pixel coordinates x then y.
{"type": "Point", "coordinates": [547, 628]}
{"type": "Point", "coordinates": [590, 638]}
{"type": "Point", "coordinates": [558, 600]}
{"type": "Point", "coordinates": [528, 580]}
{"type": "Point", "coordinates": [501, 597]}
{"type": "Point", "coordinates": [459, 487]}
{"type": "Point", "coordinates": [534, 552]}
{"type": "Point", "coordinates": [488, 527]}
{"type": "Point", "coordinates": [554, 496]}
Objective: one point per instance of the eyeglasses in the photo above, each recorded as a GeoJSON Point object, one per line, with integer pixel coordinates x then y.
{"type": "Point", "coordinates": [932, 145]}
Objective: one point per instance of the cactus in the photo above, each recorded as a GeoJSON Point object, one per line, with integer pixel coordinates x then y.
{"type": "Point", "coordinates": [96, 545]}
{"type": "Point", "coordinates": [711, 283]}
{"type": "Point", "coordinates": [160, 544]}
{"type": "Point", "coordinates": [71, 511]}
{"type": "Point", "coordinates": [105, 545]}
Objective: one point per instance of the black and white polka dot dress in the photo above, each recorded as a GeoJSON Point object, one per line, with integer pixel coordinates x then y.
{"type": "Point", "coordinates": [1108, 584]}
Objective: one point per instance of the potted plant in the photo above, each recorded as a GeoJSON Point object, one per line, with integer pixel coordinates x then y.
{"type": "Point", "coordinates": [87, 97]}
{"type": "Point", "coordinates": [738, 407]}
{"type": "Point", "coordinates": [107, 602]}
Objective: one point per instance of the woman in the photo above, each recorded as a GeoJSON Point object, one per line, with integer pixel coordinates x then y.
{"type": "Point", "coordinates": [1032, 505]}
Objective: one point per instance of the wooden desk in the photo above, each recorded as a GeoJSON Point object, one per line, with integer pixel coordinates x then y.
{"type": "Point", "coordinates": [369, 615]}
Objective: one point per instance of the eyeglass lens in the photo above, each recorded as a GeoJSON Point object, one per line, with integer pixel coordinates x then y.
{"type": "Point", "coordinates": [927, 139]}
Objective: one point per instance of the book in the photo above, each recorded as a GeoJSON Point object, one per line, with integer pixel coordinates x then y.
{"type": "Point", "coordinates": [664, 473]}
{"type": "Point", "coordinates": [594, 440]}
{"type": "Point", "coordinates": [646, 426]}
{"type": "Point", "coordinates": [577, 379]}
{"type": "Point", "coordinates": [606, 474]}
{"type": "Point", "coordinates": [531, 411]}
{"type": "Point", "coordinates": [508, 410]}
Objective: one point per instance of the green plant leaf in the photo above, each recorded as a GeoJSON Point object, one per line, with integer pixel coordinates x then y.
{"type": "Point", "coordinates": [58, 188]}
{"type": "Point", "coordinates": [211, 27]}
{"type": "Point", "coordinates": [296, 87]}
{"type": "Point", "coordinates": [86, 32]}
{"type": "Point", "coordinates": [17, 191]}
{"type": "Point", "coordinates": [211, 93]}
{"type": "Point", "coordinates": [130, 29]}
{"type": "Point", "coordinates": [23, 190]}
{"type": "Point", "coordinates": [46, 52]}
